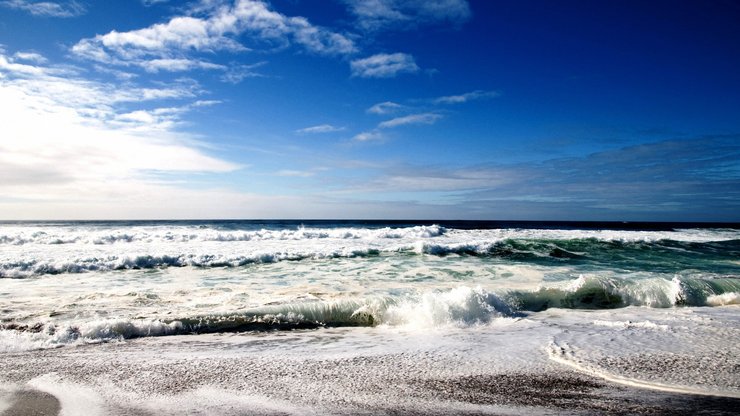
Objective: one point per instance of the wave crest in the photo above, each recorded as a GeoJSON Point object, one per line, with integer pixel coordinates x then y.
{"type": "Point", "coordinates": [459, 307]}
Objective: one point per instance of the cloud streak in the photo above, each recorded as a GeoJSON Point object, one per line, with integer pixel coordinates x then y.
{"type": "Point", "coordinates": [47, 8]}
{"type": "Point", "coordinates": [215, 27]}
{"type": "Point", "coordinates": [374, 15]}
{"type": "Point", "coordinates": [369, 136]}
{"type": "Point", "coordinates": [468, 96]}
{"type": "Point", "coordinates": [422, 118]}
{"type": "Point", "coordinates": [383, 65]}
{"type": "Point", "coordinates": [383, 108]}
{"type": "Point", "coordinates": [702, 180]}
{"type": "Point", "coordinates": [321, 128]}
{"type": "Point", "coordinates": [377, 134]}
{"type": "Point", "coordinates": [31, 57]}
{"type": "Point", "coordinates": [235, 74]}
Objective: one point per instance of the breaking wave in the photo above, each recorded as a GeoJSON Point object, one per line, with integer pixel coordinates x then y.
{"type": "Point", "coordinates": [664, 256]}
{"type": "Point", "coordinates": [65, 235]}
{"type": "Point", "coordinates": [459, 307]}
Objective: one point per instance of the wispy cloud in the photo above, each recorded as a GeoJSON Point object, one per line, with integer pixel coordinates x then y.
{"type": "Point", "coordinates": [295, 173]}
{"type": "Point", "coordinates": [669, 180]}
{"type": "Point", "coordinates": [383, 65]}
{"type": "Point", "coordinates": [423, 180]}
{"type": "Point", "coordinates": [177, 65]}
{"type": "Point", "coordinates": [407, 14]}
{"type": "Point", "coordinates": [70, 8]}
{"type": "Point", "coordinates": [61, 87]}
{"type": "Point", "coordinates": [321, 128]}
{"type": "Point", "coordinates": [300, 173]}
{"type": "Point", "coordinates": [31, 57]}
{"type": "Point", "coordinates": [383, 108]}
{"type": "Point", "coordinates": [236, 73]}
{"type": "Point", "coordinates": [69, 137]}
{"type": "Point", "coordinates": [422, 118]}
{"type": "Point", "coordinates": [468, 96]}
{"type": "Point", "coordinates": [212, 27]}
{"type": "Point", "coordinates": [206, 103]}
{"type": "Point", "coordinates": [368, 136]}
{"type": "Point", "coordinates": [159, 118]}
{"type": "Point", "coordinates": [377, 134]}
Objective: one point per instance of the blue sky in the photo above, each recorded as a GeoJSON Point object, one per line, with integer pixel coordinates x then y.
{"type": "Point", "coordinates": [568, 110]}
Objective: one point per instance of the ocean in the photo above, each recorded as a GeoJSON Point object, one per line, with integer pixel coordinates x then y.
{"type": "Point", "coordinates": [369, 317]}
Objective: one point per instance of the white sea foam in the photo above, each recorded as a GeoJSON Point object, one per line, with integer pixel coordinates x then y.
{"type": "Point", "coordinates": [227, 302]}
{"type": "Point", "coordinates": [460, 307]}
{"type": "Point", "coordinates": [429, 299]}
{"type": "Point", "coordinates": [74, 399]}
{"type": "Point", "coordinates": [730, 298]}
{"type": "Point", "coordinates": [101, 235]}
{"type": "Point", "coordinates": [113, 234]}
{"type": "Point", "coordinates": [12, 341]}
{"type": "Point", "coordinates": [92, 283]}
{"type": "Point", "coordinates": [218, 311]}
{"type": "Point", "coordinates": [55, 335]}
{"type": "Point", "coordinates": [630, 324]}
{"type": "Point", "coordinates": [688, 350]}
{"type": "Point", "coordinates": [351, 371]}
{"type": "Point", "coordinates": [39, 250]}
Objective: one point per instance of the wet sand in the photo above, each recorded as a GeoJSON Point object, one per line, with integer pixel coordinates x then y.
{"type": "Point", "coordinates": [30, 402]}
{"type": "Point", "coordinates": [385, 384]}
{"type": "Point", "coordinates": [493, 394]}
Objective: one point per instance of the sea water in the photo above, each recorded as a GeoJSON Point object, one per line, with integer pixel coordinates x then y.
{"type": "Point", "coordinates": [646, 305]}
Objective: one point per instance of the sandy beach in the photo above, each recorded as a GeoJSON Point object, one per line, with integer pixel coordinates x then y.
{"type": "Point", "coordinates": [235, 374]}
{"type": "Point", "coordinates": [214, 387]}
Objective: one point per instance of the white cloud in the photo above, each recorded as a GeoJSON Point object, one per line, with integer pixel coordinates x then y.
{"type": "Point", "coordinates": [9, 64]}
{"type": "Point", "coordinates": [407, 14]}
{"type": "Point", "coordinates": [378, 135]}
{"type": "Point", "coordinates": [319, 40]}
{"type": "Point", "coordinates": [433, 183]}
{"type": "Point", "coordinates": [296, 173]}
{"type": "Point", "coordinates": [383, 65]}
{"type": "Point", "coordinates": [302, 173]}
{"type": "Point", "coordinates": [206, 103]}
{"type": "Point", "coordinates": [31, 57]}
{"type": "Point", "coordinates": [47, 8]}
{"type": "Point", "coordinates": [161, 119]}
{"type": "Point", "coordinates": [386, 107]}
{"type": "Point", "coordinates": [322, 128]}
{"type": "Point", "coordinates": [120, 75]}
{"type": "Point", "coordinates": [214, 26]}
{"type": "Point", "coordinates": [422, 118]}
{"type": "Point", "coordinates": [469, 96]}
{"type": "Point", "coordinates": [419, 179]}
{"type": "Point", "coordinates": [174, 65]}
{"type": "Point", "coordinates": [368, 136]}
{"type": "Point", "coordinates": [137, 200]}
{"type": "Point", "coordinates": [66, 139]}
{"type": "Point", "coordinates": [179, 34]}
{"type": "Point", "coordinates": [237, 73]}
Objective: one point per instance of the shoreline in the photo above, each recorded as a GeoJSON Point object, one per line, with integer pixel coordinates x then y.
{"type": "Point", "coordinates": [638, 384]}
{"type": "Point", "coordinates": [29, 401]}
{"type": "Point", "coordinates": [496, 394]}
{"type": "Point", "coordinates": [282, 374]}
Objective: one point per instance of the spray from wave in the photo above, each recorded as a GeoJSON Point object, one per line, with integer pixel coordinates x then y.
{"type": "Point", "coordinates": [459, 307]}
